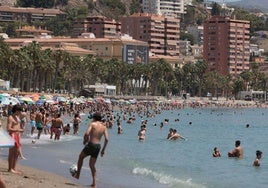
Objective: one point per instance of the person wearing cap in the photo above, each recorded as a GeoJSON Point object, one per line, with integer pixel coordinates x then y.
{"type": "Point", "coordinates": [92, 139]}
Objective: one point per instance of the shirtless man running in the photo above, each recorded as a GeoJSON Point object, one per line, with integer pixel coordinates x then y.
{"type": "Point", "coordinates": [14, 129]}
{"type": "Point", "coordinates": [92, 139]}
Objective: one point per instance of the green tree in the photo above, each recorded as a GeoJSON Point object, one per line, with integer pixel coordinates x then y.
{"type": "Point", "coordinates": [246, 76]}
{"type": "Point", "coordinates": [237, 87]}
{"type": "Point", "coordinates": [256, 23]}
{"type": "Point", "coordinates": [179, 76]}
{"type": "Point", "coordinates": [213, 82]}
{"type": "Point", "coordinates": [159, 73]}
{"type": "Point", "coordinates": [135, 7]}
{"type": "Point", "coordinates": [189, 37]}
{"type": "Point", "coordinates": [216, 9]}
{"type": "Point", "coordinates": [35, 3]}
{"type": "Point", "coordinates": [5, 55]}
{"type": "Point", "coordinates": [201, 67]}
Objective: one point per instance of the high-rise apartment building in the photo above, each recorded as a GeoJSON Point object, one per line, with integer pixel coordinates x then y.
{"type": "Point", "coordinates": [173, 8]}
{"type": "Point", "coordinates": [226, 45]}
{"type": "Point", "coordinates": [100, 26]}
{"type": "Point", "coordinates": [162, 33]}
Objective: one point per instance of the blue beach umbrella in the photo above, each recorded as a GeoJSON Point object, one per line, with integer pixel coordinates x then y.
{"type": "Point", "coordinates": [40, 102]}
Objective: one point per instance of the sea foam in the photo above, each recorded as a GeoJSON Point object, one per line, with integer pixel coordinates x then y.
{"type": "Point", "coordinates": [166, 179]}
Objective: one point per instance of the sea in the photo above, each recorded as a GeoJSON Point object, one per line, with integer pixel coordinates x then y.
{"type": "Point", "coordinates": [158, 162]}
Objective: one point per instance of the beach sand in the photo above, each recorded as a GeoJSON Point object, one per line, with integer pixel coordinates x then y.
{"type": "Point", "coordinates": [31, 177]}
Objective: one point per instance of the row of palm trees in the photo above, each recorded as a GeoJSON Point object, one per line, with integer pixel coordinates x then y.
{"type": "Point", "coordinates": [32, 69]}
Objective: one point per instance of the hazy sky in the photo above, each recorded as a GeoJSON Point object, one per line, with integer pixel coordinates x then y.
{"type": "Point", "coordinates": [225, 0]}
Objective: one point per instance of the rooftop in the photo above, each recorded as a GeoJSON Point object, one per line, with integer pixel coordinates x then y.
{"type": "Point", "coordinates": [30, 10]}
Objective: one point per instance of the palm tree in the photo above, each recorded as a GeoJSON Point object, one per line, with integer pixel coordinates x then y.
{"type": "Point", "coordinates": [60, 57]}
{"type": "Point", "coordinates": [189, 78]}
{"type": "Point", "coordinates": [200, 67]}
{"type": "Point", "coordinates": [159, 72]}
{"type": "Point", "coordinates": [237, 86]}
{"type": "Point", "coordinates": [213, 82]}
{"type": "Point", "coordinates": [49, 67]}
{"type": "Point", "coordinates": [145, 77]}
{"type": "Point", "coordinates": [179, 76]}
{"type": "Point", "coordinates": [226, 85]}
{"type": "Point", "coordinates": [21, 67]}
{"type": "Point", "coordinates": [34, 51]}
{"type": "Point", "coordinates": [246, 76]}
{"type": "Point", "coordinates": [5, 57]}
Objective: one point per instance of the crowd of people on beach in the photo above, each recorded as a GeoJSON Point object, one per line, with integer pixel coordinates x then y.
{"type": "Point", "coordinates": [47, 119]}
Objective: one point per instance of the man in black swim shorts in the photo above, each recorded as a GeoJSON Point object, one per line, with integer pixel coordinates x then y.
{"type": "Point", "coordinates": [92, 150]}
{"type": "Point", "coordinates": [92, 139]}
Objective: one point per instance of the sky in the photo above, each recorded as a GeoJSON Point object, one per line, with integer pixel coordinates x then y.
{"type": "Point", "coordinates": [225, 0]}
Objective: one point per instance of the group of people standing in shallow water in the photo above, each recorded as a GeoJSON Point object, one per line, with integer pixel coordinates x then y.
{"type": "Point", "coordinates": [238, 152]}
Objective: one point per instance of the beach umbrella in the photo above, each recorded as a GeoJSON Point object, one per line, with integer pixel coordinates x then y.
{"type": "Point", "coordinates": [108, 101]}
{"type": "Point", "coordinates": [121, 100]}
{"type": "Point", "coordinates": [5, 139]}
{"type": "Point", "coordinates": [26, 99]}
{"type": "Point", "coordinates": [5, 94]}
{"type": "Point", "coordinates": [60, 99]}
{"type": "Point", "coordinates": [2, 96]}
{"type": "Point", "coordinates": [34, 96]}
{"type": "Point", "coordinates": [42, 97]}
{"type": "Point", "coordinates": [133, 101]}
{"type": "Point", "coordinates": [50, 101]}
{"type": "Point", "coordinates": [8, 100]}
{"type": "Point", "coordinates": [40, 102]}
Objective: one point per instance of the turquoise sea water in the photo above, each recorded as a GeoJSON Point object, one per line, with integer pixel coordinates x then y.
{"type": "Point", "coordinates": [159, 163]}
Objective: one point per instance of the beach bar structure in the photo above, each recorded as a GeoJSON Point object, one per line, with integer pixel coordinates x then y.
{"type": "Point", "coordinates": [102, 89]}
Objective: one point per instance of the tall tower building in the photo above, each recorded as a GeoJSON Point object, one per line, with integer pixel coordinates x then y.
{"type": "Point", "coordinates": [173, 8]}
{"type": "Point", "coordinates": [226, 45]}
{"type": "Point", "coordinates": [162, 33]}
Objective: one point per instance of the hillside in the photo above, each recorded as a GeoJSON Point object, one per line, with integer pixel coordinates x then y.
{"type": "Point", "coordinates": [7, 2]}
{"type": "Point", "coordinates": [252, 4]}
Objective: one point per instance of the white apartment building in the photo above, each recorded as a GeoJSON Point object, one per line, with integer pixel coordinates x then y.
{"type": "Point", "coordinates": [173, 8]}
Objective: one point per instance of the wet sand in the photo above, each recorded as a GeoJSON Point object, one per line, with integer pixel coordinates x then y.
{"type": "Point", "coordinates": [31, 177]}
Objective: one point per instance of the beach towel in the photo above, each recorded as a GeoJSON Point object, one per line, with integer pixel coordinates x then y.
{"type": "Point", "coordinates": [5, 139]}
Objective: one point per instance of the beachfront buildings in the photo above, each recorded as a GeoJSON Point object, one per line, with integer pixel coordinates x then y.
{"type": "Point", "coordinates": [28, 15]}
{"type": "Point", "coordinates": [100, 26]}
{"type": "Point", "coordinates": [226, 45]}
{"type": "Point", "coordinates": [172, 8]}
{"type": "Point", "coordinates": [122, 48]}
{"type": "Point", "coordinates": [162, 33]}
